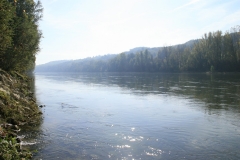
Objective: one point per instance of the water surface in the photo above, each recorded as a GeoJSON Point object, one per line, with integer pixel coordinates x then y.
{"type": "Point", "coordinates": [138, 116]}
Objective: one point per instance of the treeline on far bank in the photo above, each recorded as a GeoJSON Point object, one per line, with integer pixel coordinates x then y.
{"type": "Point", "coordinates": [215, 51]}
{"type": "Point", "coordinates": [19, 34]}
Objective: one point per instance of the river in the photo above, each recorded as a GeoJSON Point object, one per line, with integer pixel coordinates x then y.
{"type": "Point", "coordinates": [137, 116]}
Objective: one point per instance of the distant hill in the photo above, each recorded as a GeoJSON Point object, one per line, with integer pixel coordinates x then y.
{"type": "Point", "coordinates": [214, 52]}
{"type": "Point", "coordinates": [65, 65]}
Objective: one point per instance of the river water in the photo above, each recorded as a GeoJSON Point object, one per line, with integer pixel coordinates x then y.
{"type": "Point", "coordinates": [137, 116]}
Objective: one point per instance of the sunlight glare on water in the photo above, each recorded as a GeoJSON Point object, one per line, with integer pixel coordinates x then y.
{"type": "Point", "coordinates": [138, 116]}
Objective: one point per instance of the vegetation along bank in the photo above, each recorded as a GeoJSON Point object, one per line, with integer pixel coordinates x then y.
{"type": "Point", "coordinates": [19, 44]}
{"type": "Point", "coordinates": [17, 108]}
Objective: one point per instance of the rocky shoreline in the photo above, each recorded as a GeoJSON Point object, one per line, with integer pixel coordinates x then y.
{"type": "Point", "coordinates": [18, 108]}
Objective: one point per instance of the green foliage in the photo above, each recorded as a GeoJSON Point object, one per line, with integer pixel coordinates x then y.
{"type": "Point", "coordinates": [6, 31]}
{"type": "Point", "coordinates": [21, 34]}
{"type": "Point", "coordinates": [10, 149]}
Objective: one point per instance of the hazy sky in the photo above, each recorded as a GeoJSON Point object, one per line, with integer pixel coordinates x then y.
{"type": "Point", "coordinates": [75, 29]}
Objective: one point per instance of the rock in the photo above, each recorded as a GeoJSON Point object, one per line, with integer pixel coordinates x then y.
{"type": "Point", "coordinates": [15, 127]}
{"type": "Point", "coordinates": [16, 96]}
{"type": "Point", "coordinates": [4, 91]}
{"type": "Point", "coordinates": [41, 106]}
{"type": "Point", "coordinates": [7, 126]}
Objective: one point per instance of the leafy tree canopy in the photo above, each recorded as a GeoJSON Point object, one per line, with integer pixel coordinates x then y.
{"type": "Point", "coordinates": [19, 34]}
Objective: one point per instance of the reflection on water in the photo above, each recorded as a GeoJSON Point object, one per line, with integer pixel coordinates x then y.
{"type": "Point", "coordinates": [138, 116]}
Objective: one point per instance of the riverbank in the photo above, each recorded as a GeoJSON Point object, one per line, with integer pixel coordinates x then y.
{"type": "Point", "coordinates": [17, 108]}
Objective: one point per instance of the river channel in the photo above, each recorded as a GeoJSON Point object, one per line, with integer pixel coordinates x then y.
{"type": "Point", "coordinates": [137, 116]}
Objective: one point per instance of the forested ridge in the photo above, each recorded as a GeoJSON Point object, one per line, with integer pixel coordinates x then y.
{"type": "Point", "coordinates": [215, 51]}
{"type": "Point", "coordinates": [19, 34]}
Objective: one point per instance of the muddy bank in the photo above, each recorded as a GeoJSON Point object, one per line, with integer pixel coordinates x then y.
{"type": "Point", "coordinates": [17, 108]}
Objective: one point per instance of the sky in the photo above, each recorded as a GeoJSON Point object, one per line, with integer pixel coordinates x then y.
{"type": "Point", "coordinates": [77, 29]}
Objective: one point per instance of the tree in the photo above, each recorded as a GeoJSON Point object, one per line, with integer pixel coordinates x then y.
{"type": "Point", "coordinates": [25, 37]}
{"type": "Point", "coordinates": [6, 31]}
